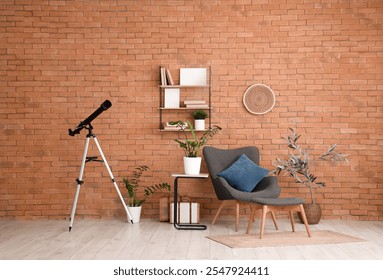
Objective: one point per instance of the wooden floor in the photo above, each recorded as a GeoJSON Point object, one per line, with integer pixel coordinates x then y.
{"type": "Point", "coordinates": [149, 239]}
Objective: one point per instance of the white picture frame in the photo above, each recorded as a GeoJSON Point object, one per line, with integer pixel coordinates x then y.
{"type": "Point", "coordinates": [172, 98]}
{"type": "Point", "coordinates": [193, 76]}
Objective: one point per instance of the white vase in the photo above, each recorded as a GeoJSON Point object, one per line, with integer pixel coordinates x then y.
{"type": "Point", "coordinates": [135, 213]}
{"type": "Point", "coordinates": [199, 124]}
{"type": "Point", "coordinates": [192, 165]}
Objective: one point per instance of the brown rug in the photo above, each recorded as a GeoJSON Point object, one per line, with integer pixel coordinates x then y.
{"type": "Point", "coordinates": [287, 238]}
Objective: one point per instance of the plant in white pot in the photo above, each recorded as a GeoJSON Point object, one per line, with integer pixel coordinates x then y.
{"type": "Point", "coordinates": [192, 145]}
{"type": "Point", "coordinates": [133, 186]}
{"type": "Point", "coordinates": [298, 166]}
{"type": "Point", "coordinates": [199, 119]}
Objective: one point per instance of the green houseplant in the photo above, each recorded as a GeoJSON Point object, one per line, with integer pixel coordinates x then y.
{"type": "Point", "coordinates": [199, 115]}
{"type": "Point", "coordinates": [298, 166]}
{"type": "Point", "coordinates": [199, 119]}
{"type": "Point", "coordinates": [133, 185]}
{"type": "Point", "coordinates": [192, 144]}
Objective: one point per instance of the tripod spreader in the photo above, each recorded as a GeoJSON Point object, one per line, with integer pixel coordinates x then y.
{"type": "Point", "coordinates": [88, 159]}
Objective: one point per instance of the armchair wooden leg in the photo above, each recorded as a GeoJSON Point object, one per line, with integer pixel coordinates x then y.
{"type": "Point", "coordinates": [218, 212]}
{"type": "Point", "coordinates": [236, 215]}
{"type": "Point", "coordinates": [251, 218]}
{"type": "Point", "coordinates": [263, 220]}
{"type": "Point", "coordinates": [223, 203]}
{"type": "Point", "coordinates": [303, 214]}
{"type": "Point", "coordinates": [274, 220]}
{"type": "Point", "coordinates": [292, 220]}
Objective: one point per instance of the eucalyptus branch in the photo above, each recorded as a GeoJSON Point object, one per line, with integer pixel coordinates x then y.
{"type": "Point", "coordinates": [331, 154]}
{"type": "Point", "coordinates": [298, 163]}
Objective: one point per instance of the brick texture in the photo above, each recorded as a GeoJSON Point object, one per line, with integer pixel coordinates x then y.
{"type": "Point", "coordinates": [61, 59]}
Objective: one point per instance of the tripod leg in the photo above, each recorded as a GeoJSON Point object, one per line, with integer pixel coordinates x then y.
{"type": "Point", "coordinates": [79, 183]}
{"type": "Point", "coordinates": [113, 180]}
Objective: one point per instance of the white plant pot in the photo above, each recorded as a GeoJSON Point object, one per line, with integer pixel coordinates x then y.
{"type": "Point", "coordinates": [199, 124]}
{"type": "Point", "coordinates": [192, 165]}
{"type": "Point", "coordinates": [135, 213]}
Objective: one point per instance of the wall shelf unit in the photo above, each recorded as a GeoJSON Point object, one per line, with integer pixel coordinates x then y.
{"type": "Point", "coordinates": [178, 101]}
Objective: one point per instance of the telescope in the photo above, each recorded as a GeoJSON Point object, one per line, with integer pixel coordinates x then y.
{"type": "Point", "coordinates": [85, 159]}
{"type": "Point", "coordinates": [104, 106]}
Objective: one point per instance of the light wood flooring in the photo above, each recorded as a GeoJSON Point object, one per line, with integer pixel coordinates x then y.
{"type": "Point", "coordinates": [150, 239]}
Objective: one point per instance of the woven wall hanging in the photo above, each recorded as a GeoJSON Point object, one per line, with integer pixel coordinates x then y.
{"type": "Point", "coordinates": [259, 99]}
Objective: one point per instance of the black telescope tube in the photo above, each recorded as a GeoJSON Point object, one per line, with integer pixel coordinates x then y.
{"type": "Point", "coordinates": [104, 106]}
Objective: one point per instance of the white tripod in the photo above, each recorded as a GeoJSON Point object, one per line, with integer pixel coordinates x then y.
{"type": "Point", "coordinates": [79, 181]}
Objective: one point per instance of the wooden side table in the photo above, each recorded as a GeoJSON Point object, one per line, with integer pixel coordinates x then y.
{"type": "Point", "coordinates": [185, 176]}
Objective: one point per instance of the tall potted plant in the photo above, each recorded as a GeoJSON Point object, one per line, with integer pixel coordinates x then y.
{"type": "Point", "coordinates": [199, 119]}
{"type": "Point", "coordinates": [298, 166]}
{"type": "Point", "coordinates": [133, 186]}
{"type": "Point", "coordinates": [192, 144]}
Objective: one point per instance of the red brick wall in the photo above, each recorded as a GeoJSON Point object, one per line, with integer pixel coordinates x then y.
{"type": "Point", "coordinates": [61, 59]}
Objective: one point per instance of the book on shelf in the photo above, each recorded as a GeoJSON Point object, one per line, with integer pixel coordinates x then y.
{"type": "Point", "coordinates": [175, 127]}
{"type": "Point", "coordinates": [201, 104]}
{"type": "Point", "coordinates": [193, 102]}
{"type": "Point", "coordinates": [166, 77]}
{"type": "Point", "coordinates": [169, 77]}
{"type": "Point", "coordinates": [163, 76]}
{"type": "Point", "coordinates": [198, 106]}
{"type": "Point", "coordinates": [170, 128]}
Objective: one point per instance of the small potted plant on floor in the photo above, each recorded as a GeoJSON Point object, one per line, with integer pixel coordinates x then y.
{"type": "Point", "coordinates": [298, 166]}
{"type": "Point", "coordinates": [133, 186]}
{"type": "Point", "coordinates": [192, 144]}
{"type": "Point", "coordinates": [199, 119]}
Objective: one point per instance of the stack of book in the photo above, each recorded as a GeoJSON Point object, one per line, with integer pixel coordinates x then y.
{"type": "Point", "coordinates": [173, 127]}
{"type": "Point", "coordinates": [196, 104]}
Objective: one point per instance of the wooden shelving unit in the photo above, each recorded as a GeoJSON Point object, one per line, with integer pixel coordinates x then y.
{"type": "Point", "coordinates": [182, 110]}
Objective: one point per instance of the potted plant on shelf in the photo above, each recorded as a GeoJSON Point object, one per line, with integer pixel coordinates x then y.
{"type": "Point", "coordinates": [298, 166]}
{"type": "Point", "coordinates": [133, 186]}
{"type": "Point", "coordinates": [199, 119]}
{"type": "Point", "coordinates": [191, 146]}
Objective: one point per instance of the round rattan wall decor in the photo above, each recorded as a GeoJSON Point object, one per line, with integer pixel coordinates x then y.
{"type": "Point", "coordinates": [259, 99]}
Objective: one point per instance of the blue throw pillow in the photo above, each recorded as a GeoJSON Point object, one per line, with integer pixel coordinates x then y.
{"type": "Point", "coordinates": [244, 174]}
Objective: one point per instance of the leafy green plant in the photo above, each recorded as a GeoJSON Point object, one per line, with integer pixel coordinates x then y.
{"type": "Point", "coordinates": [191, 145]}
{"type": "Point", "coordinates": [133, 185]}
{"type": "Point", "coordinates": [199, 115]}
{"type": "Point", "coordinates": [298, 164]}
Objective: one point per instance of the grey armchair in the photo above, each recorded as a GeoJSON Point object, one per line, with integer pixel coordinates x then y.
{"type": "Point", "coordinates": [218, 160]}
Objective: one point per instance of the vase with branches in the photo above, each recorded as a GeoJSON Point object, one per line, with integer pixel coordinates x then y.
{"type": "Point", "coordinates": [299, 163]}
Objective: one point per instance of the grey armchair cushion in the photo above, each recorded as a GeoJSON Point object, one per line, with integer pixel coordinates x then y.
{"type": "Point", "coordinates": [279, 201]}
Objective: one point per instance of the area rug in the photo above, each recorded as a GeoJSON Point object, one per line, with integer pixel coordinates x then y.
{"type": "Point", "coordinates": [288, 238]}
